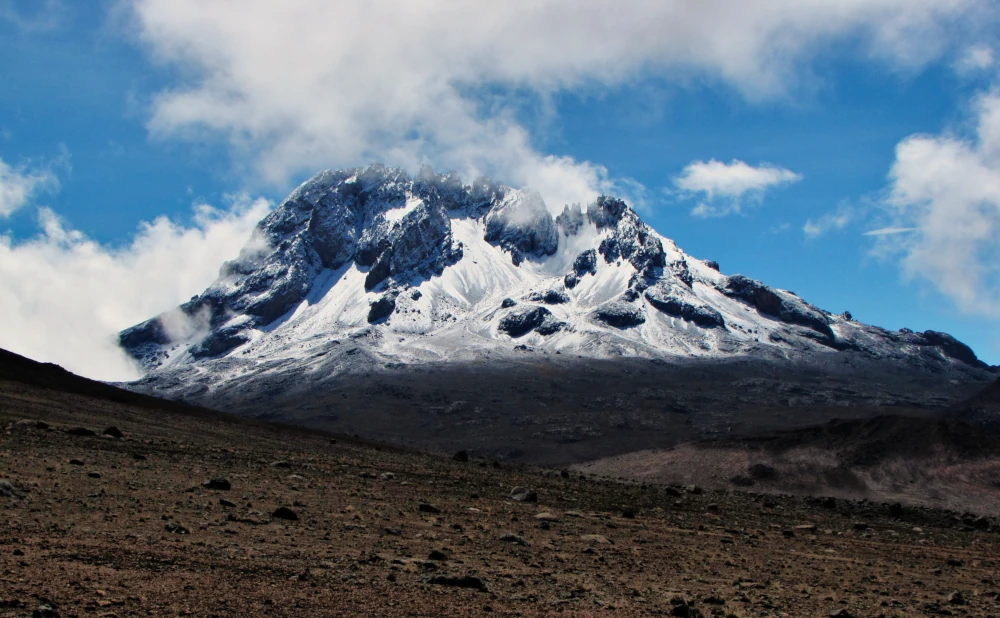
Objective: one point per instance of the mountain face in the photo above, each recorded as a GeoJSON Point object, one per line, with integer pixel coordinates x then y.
{"type": "Point", "coordinates": [404, 270]}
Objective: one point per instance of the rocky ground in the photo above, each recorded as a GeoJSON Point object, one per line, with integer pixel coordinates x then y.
{"type": "Point", "coordinates": [191, 513]}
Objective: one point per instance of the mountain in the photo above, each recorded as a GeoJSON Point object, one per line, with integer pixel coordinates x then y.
{"type": "Point", "coordinates": [369, 288]}
{"type": "Point", "coordinates": [429, 269]}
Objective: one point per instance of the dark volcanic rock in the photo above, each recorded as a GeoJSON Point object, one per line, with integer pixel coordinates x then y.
{"type": "Point", "coordinates": [467, 581]}
{"type": "Point", "coordinates": [549, 297]}
{"type": "Point", "coordinates": [114, 432]}
{"type": "Point", "coordinates": [508, 303]}
{"type": "Point", "coordinates": [285, 513]}
{"type": "Point", "coordinates": [620, 315]}
{"type": "Point", "coordinates": [778, 305]}
{"type": "Point", "coordinates": [218, 483]}
{"type": "Point", "coordinates": [676, 305]}
{"type": "Point", "coordinates": [381, 308]}
{"type": "Point", "coordinates": [80, 431]}
{"type": "Point", "coordinates": [522, 322]}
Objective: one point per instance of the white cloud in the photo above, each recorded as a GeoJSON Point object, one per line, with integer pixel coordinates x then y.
{"type": "Point", "coordinates": [976, 59]}
{"type": "Point", "coordinates": [302, 84]}
{"type": "Point", "coordinates": [725, 186]}
{"type": "Point", "coordinates": [889, 231]}
{"type": "Point", "coordinates": [21, 183]}
{"type": "Point", "coordinates": [831, 221]}
{"type": "Point", "coordinates": [64, 297]}
{"type": "Point", "coordinates": [945, 192]}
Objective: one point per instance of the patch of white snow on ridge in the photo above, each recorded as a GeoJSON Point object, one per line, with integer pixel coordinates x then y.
{"type": "Point", "coordinates": [397, 214]}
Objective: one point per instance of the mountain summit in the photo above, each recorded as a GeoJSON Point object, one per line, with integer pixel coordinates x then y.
{"type": "Point", "coordinates": [422, 269]}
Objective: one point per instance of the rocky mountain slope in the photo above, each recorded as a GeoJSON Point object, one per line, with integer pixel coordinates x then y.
{"type": "Point", "coordinates": [469, 316]}
{"type": "Point", "coordinates": [409, 270]}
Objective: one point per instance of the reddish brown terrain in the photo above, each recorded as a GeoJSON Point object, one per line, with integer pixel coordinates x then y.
{"type": "Point", "coordinates": [95, 525]}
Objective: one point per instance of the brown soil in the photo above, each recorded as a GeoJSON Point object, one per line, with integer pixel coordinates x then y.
{"type": "Point", "coordinates": [132, 531]}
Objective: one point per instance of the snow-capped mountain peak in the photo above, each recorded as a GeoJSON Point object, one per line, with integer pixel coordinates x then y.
{"type": "Point", "coordinates": [429, 269]}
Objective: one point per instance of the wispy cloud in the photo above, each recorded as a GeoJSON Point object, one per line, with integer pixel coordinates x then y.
{"type": "Point", "coordinates": [19, 184]}
{"type": "Point", "coordinates": [889, 231]}
{"type": "Point", "coordinates": [725, 188]}
{"type": "Point", "coordinates": [44, 15]}
{"type": "Point", "coordinates": [844, 215]}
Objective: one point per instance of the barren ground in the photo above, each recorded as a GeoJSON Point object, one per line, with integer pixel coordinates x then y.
{"type": "Point", "coordinates": [101, 526]}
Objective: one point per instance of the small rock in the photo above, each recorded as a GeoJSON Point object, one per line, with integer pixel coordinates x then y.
{"type": "Point", "coordinates": [955, 562]}
{"type": "Point", "coordinates": [841, 613]}
{"type": "Point", "coordinates": [114, 432]}
{"type": "Point", "coordinates": [281, 464]}
{"type": "Point", "coordinates": [227, 503]}
{"type": "Point", "coordinates": [175, 528]}
{"type": "Point", "coordinates": [138, 457]}
{"type": "Point", "coordinates": [428, 508]}
{"type": "Point", "coordinates": [283, 512]}
{"type": "Point", "coordinates": [18, 552]}
{"type": "Point", "coordinates": [80, 431]}
{"type": "Point", "coordinates": [387, 476]}
{"type": "Point", "coordinates": [564, 473]}
{"type": "Point", "coordinates": [94, 475]}
{"type": "Point", "coordinates": [595, 539]}
{"type": "Point", "coordinates": [468, 581]}
{"type": "Point", "coordinates": [75, 462]}
{"type": "Point", "coordinates": [218, 483]}
{"type": "Point", "coordinates": [45, 611]}
{"type": "Point", "coordinates": [9, 490]}
{"type": "Point", "coordinates": [956, 598]}
{"type": "Point", "coordinates": [438, 555]}
{"type": "Point", "coordinates": [547, 516]}
{"type": "Point", "coordinates": [628, 513]}
{"type": "Point", "coordinates": [693, 489]}
{"type": "Point", "coordinates": [462, 456]}
{"type": "Point", "coordinates": [515, 538]}
{"type": "Point", "coordinates": [523, 494]}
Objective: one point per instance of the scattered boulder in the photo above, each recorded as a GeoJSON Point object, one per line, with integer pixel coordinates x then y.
{"type": "Point", "coordinates": [285, 513]}
{"type": "Point", "coordinates": [45, 611]}
{"type": "Point", "coordinates": [762, 471]}
{"type": "Point", "coordinates": [428, 508]}
{"type": "Point", "coordinates": [508, 303]}
{"type": "Point", "coordinates": [467, 581]}
{"type": "Point", "coordinates": [523, 494]}
{"type": "Point", "coordinates": [9, 490]}
{"type": "Point", "coordinates": [114, 432]}
{"type": "Point", "coordinates": [549, 297]}
{"type": "Point", "coordinates": [227, 503]}
{"type": "Point", "coordinates": [381, 308]}
{"type": "Point", "coordinates": [175, 528]}
{"type": "Point", "coordinates": [516, 539]}
{"type": "Point", "coordinates": [281, 464]}
{"type": "Point", "coordinates": [218, 483]}
{"type": "Point", "coordinates": [519, 323]}
{"type": "Point", "coordinates": [94, 475]}
{"type": "Point", "coordinates": [461, 456]}
{"type": "Point", "coordinates": [620, 315]}
{"type": "Point", "coordinates": [75, 462]}
{"type": "Point", "coordinates": [679, 305]}
{"type": "Point", "coordinates": [437, 555]}
{"type": "Point", "coordinates": [81, 432]}
{"type": "Point", "coordinates": [713, 265]}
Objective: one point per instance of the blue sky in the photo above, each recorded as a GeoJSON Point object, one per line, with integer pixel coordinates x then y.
{"type": "Point", "coordinates": [118, 114]}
